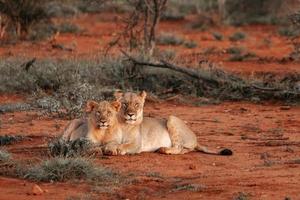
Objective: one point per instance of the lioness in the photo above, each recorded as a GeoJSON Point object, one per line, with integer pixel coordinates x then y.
{"type": "Point", "coordinates": [100, 126]}
{"type": "Point", "coordinates": [147, 134]}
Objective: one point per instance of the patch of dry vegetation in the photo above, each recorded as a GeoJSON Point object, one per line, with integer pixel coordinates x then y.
{"type": "Point", "coordinates": [73, 82]}
{"type": "Point", "coordinates": [63, 169]}
{"type": "Point", "coordinates": [57, 169]}
{"type": "Point", "coordinates": [9, 139]}
{"type": "Point", "coordinates": [80, 147]}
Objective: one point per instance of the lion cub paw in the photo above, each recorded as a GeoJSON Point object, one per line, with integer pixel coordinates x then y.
{"type": "Point", "coordinates": [110, 150]}
{"type": "Point", "coordinates": [121, 151]}
{"type": "Point", "coordinates": [163, 150]}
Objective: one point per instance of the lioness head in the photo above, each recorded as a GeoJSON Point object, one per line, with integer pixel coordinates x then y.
{"type": "Point", "coordinates": [132, 106]}
{"type": "Point", "coordinates": [103, 114]}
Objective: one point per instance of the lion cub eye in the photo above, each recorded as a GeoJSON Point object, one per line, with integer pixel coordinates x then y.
{"type": "Point", "coordinates": [98, 113]}
{"type": "Point", "coordinates": [137, 105]}
{"type": "Point", "coordinates": [109, 113]}
{"type": "Point", "coordinates": [124, 105]}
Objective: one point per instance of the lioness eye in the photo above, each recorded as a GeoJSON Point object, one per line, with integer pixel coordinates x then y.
{"type": "Point", "coordinates": [109, 113]}
{"type": "Point", "coordinates": [136, 105]}
{"type": "Point", "coordinates": [125, 105]}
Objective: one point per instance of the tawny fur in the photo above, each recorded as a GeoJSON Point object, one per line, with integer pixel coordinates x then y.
{"type": "Point", "coordinates": [100, 126]}
{"type": "Point", "coordinates": [146, 134]}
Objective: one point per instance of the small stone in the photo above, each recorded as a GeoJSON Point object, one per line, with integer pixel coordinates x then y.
{"type": "Point", "coordinates": [37, 190]}
{"type": "Point", "coordinates": [242, 109]}
{"type": "Point", "coordinates": [192, 166]}
{"type": "Point", "coordinates": [285, 107]}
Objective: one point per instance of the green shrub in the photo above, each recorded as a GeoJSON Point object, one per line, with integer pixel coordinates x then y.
{"type": "Point", "coordinates": [23, 14]}
{"type": "Point", "coordinates": [289, 31]}
{"type": "Point", "coordinates": [217, 36]}
{"type": "Point", "coordinates": [188, 187]}
{"type": "Point", "coordinates": [242, 57]}
{"type": "Point", "coordinates": [169, 39]}
{"type": "Point", "coordinates": [63, 169]}
{"type": "Point", "coordinates": [166, 54]}
{"type": "Point", "coordinates": [73, 82]}
{"type": "Point", "coordinates": [237, 36]}
{"type": "Point", "coordinates": [190, 44]}
{"type": "Point", "coordinates": [172, 14]}
{"type": "Point", "coordinates": [68, 28]}
{"type": "Point", "coordinates": [203, 22]}
{"type": "Point", "coordinates": [244, 12]}
{"type": "Point", "coordinates": [61, 148]}
{"type": "Point", "coordinates": [241, 196]}
{"type": "Point", "coordinates": [234, 50]}
{"type": "Point", "coordinates": [8, 139]}
{"type": "Point", "coordinates": [41, 31]}
{"type": "Point", "coordinates": [4, 156]}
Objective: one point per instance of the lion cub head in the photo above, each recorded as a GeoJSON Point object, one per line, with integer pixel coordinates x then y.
{"type": "Point", "coordinates": [132, 107]}
{"type": "Point", "coordinates": [102, 115]}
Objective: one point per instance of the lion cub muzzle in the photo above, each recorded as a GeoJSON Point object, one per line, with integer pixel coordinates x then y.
{"type": "Point", "coordinates": [130, 118]}
{"type": "Point", "coordinates": [102, 115]}
{"type": "Point", "coordinates": [101, 122]}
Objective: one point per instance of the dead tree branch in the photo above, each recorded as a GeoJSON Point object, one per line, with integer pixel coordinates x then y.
{"type": "Point", "coordinates": [190, 72]}
{"type": "Point", "coordinates": [139, 30]}
{"type": "Point", "coordinates": [214, 80]}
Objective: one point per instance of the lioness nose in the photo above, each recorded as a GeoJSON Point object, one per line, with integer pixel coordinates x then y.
{"type": "Point", "coordinates": [130, 114]}
{"type": "Point", "coordinates": [102, 121]}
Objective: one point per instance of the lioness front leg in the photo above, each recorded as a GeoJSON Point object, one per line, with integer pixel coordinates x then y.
{"type": "Point", "coordinates": [128, 148]}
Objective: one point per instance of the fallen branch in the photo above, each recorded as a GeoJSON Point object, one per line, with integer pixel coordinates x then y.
{"type": "Point", "coordinates": [190, 72]}
{"type": "Point", "coordinates": [263, 88]}
{"type": "Point", "coordinates": [26, 66]}
{"type": "Point", "coordinates": [218, 82]}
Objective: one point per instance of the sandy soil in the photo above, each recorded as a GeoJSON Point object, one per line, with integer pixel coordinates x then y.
{"type": "Point", "coordinates": [100, 29]}
{"type": "Point", "coordinates": [265, 137]}
{"type": "Point", "coordinates": [265, 140]}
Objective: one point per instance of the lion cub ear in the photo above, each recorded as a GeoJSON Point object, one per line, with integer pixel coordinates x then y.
{"type": "Point", "coordinates": [143, 94]}
{"type": "Point", "coordinates": [90, 106]}
{"type": "Point", "coordinates": [116, 105]}
{"type": "Point", "coordinates": [118, 95]}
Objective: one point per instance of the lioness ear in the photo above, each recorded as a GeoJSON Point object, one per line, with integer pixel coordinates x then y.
{"type": "Point", "coordinates": [118, 95]}
{"type": "Point", "coordinates": [116, 105]}
{"type": "Point", "coordinates": [90, 106]}
{"type": "Point", "coordinates": [143, 94]}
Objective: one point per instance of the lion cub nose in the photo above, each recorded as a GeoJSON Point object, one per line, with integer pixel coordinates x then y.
{"type": "Point", "coordinates": [102, 121]}
{"type": "Point", "coordinates": [130, 114]}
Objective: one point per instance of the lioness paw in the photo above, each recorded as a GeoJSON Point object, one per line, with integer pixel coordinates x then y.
{"type": "Point", "coordinates": [111, 151]}
{"type": "Point", "coordinates": [121, 151]}
{"type": "Point", "coordinates": [163, 150]}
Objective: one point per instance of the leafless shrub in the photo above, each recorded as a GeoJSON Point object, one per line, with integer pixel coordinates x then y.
{"type": "Point", "coordinates": [140, 26]}
{"type": "Point", "coordinates": [22, 14]}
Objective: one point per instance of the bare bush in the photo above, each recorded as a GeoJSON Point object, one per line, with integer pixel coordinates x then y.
{"type": "Point", "coordinates": [140, 27]}
{"type": "Point", "coordinates": [22, 14]}
{"type": "Point", "coordinates": [247, 12]}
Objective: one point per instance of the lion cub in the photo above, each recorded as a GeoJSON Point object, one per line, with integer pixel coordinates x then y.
{"type": "Point", "coordinates": [147, 134]}
{"type": "Point", "coordinates": [100, 126]}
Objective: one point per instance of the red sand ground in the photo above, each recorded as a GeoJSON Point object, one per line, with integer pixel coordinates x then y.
{"type": "Point", "coordinates": [264, 137]}
{"type": "Point", "coordinates": [100, 29]}
{"type": "Point", "coordinates": [265, 140]}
